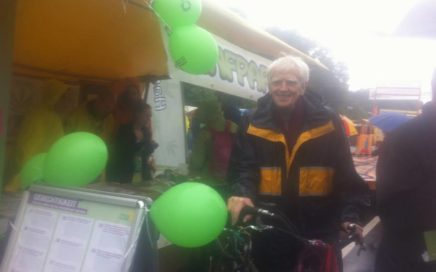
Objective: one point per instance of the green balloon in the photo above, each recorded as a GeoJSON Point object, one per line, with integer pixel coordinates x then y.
{"type": "Point", "coordinates": [33, 170]}
{"type": "Point", "coordinates": [177, 13]}
{"type": "Point", "coordinates": [193, 49]}
{"type": "Point", "coordinates": [190, 214]}
{"type": "Point", "coordinates": [75, 160]}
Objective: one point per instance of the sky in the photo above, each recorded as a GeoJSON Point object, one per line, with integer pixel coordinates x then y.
{"type": "Point", "coordinates": [358, 32]}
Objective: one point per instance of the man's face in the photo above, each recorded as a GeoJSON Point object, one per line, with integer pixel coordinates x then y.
{"type": "Point", "coordinates": [285, 88]}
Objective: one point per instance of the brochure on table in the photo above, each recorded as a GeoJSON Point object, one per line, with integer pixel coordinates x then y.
{"type": "Point", "coordinates": [75, 230]}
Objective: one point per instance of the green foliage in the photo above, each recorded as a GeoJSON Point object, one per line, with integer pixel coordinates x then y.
{"type": "Point", "coordinates": [358, 105]}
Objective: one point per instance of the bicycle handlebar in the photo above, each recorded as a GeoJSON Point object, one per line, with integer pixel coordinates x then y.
{"type": "Point", "coordinates": [248, 210]}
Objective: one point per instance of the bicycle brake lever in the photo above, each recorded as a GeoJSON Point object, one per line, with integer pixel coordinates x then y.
{"type": "Point", "coordinates": [260, 228]}
{"type": "Point", "coordinates": [247, 210]}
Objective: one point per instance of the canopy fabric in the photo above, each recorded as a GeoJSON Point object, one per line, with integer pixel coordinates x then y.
{"type": "Point", "coordinates": [88, 38]}
{"type": "Point", "coordinates": [112, 39]}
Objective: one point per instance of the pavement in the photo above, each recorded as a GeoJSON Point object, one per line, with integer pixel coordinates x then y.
{"type": "Point", "coordinates": [357, 260]}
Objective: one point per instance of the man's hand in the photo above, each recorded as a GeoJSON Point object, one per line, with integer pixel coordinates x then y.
{"type": "Point", "coordinates": [355, 229]}
{"type": "Point", "coordinates": [235, 205]}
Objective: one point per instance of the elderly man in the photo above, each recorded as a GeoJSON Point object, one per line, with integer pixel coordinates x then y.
{"type": "Point", "coordinates": [406, 194]}
{"type": "Point", "coordinates": [293, 156]}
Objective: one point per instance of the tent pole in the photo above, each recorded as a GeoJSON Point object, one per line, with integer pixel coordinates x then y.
{"type": "Point", "coordinates": [7, 21]}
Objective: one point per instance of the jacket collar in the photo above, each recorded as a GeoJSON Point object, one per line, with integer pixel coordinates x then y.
{"type": "Point", "coordinates": [315, 113]}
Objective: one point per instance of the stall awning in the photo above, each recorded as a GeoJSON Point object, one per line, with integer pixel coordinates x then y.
{"type": "Point", "coordinates": [87, 39]}
{"type": "Point", "coordinates": [111, 39]}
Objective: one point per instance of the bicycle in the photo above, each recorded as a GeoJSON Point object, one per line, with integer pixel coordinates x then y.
{"type": "Point", "coordinates": [234, 246]}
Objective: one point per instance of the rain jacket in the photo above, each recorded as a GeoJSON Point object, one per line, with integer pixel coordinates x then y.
{"type": "Point", "coordinates": [315, 184]}
{"type": "Point", "coordinates": [39, 129]}
{"type": "Point", "coordinates": [82, 120]}
{"type": "Point", "coordinates": [406, 194]}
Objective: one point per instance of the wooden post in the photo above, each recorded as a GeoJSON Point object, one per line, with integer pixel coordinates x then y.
{"type": "Point", "coordinates": [7, 22]}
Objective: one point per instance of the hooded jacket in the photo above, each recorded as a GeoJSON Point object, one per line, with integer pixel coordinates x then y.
{"type": "Point", "coordinates": [315, 184]}
{"type": "Point", "coordinates": [40, 128]}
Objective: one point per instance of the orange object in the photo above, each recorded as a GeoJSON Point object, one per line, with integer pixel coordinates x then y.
{"type": "Point", "coordinates": [365, 141]}
{"type": "Point", "coordinates": [350, 128]}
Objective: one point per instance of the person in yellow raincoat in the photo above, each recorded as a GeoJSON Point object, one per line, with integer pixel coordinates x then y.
{"type": "Point", "coordinates": [40, 128]}
{"type": "Point", "coordinates": [95, 116]}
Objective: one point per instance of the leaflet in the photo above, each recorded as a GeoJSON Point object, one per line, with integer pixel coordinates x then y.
{"type": "Point", "coordinates": [107, 247]}
{"type": "Point", "coordinates": [69, 244]}
{"type": "Point", "coordinates": [34, 241]}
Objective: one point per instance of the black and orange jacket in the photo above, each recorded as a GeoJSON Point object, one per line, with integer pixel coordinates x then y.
{"type": "Point", "coordinates": [315, 183]}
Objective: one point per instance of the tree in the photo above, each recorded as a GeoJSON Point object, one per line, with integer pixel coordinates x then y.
{"type": "Point", "coordinates": [358, 105]}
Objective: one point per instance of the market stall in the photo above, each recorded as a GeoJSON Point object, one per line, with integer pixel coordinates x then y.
{"type": "Point", "coordinates": [101, 42]}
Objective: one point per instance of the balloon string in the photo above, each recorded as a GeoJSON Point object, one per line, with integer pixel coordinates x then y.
{"type": "Point", "coordinates": [134, 243]}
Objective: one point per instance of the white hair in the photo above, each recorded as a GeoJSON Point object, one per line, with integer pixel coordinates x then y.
{"type": "Point", "coordinates": [289, 63]}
